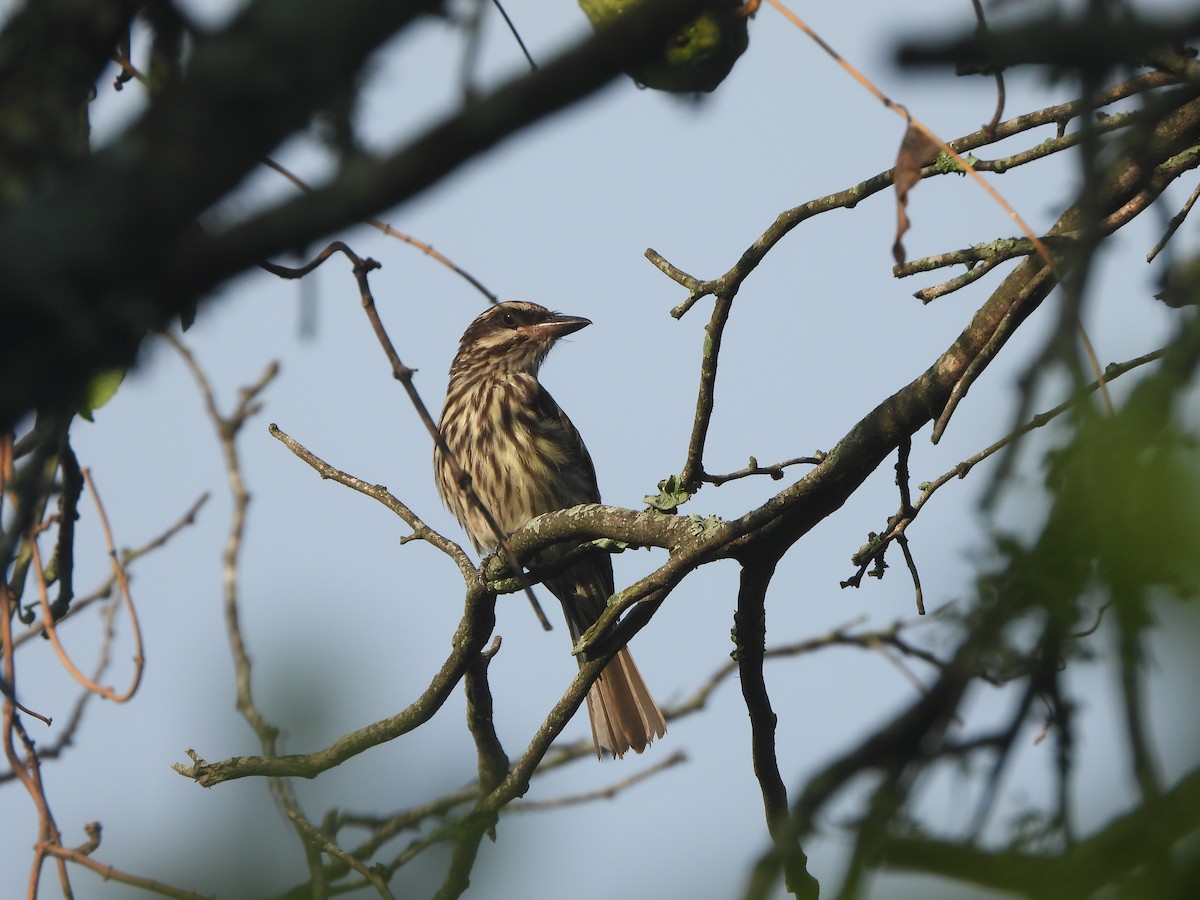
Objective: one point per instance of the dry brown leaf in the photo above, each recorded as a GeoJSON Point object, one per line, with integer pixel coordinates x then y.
{"type": "Point", "coordinates": [916, 150]}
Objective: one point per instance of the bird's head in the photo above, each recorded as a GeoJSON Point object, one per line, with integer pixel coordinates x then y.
{"type": "Point", "coordinates": [513, 337]}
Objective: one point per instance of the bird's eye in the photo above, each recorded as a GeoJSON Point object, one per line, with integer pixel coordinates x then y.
{"type": "Point", "coordinates": [509, 320]}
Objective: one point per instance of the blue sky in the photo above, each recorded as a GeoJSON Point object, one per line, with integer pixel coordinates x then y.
{"type": "Point", "coordinates": [346, 626]}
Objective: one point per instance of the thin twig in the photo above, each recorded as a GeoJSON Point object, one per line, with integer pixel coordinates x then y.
{"type": "Point", "coordinates": [516, 34]}
{"type": "Point", "coordinates": [108, 873]}
{"type": "Point", "coordinates": [420, 531]}
{"type": "Point", "coordinates": [921, 127]}
{"type": "Point", "coordinates": [696, 287]}
{"type": "Point", "coordinates": [118, 567]}
{"type": "Point", "coordinates": [981, 29]}
{"type": "Point", "coordinates": [1094, 361]}
{"type": "Point", "coordinates": [902, 540]}
{"type": "Point", "coordinates": [29, 772]}
{"type": "Point", "coordinates": [926, 295]}
{"type": "Point", "coordinates": [605, 793]}
{"type": "Point", "coordinates": [1029, 294]}
{"type": "Point", "coordinates": [775, 472]}
{"type": "Point", "coordinates": [127, 557]}
{"type": "Point", "coordinates": [227, 428]}
{"type": "Point", "coordinates": [327, 845]}
{"type": "Point", "coordinates": [387, 229]}
{"type": "Point", "coordinates": [1173, 225]}
{"type": "Point", "coordinates": [66, 736]}
{"type": "Point", "coordinates": [52, 632]}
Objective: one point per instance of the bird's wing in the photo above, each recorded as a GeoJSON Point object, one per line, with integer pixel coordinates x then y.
{"type": "Point", "coordinates": [585, 588]}
{"type": "Point", "coordinates": [562, 450]}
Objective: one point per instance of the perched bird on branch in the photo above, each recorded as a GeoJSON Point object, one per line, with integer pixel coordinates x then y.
{"type": "Point", "coordinates": [525, 458]}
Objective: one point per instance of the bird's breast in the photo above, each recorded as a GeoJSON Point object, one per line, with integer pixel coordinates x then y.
{"type": "Point", "coordinates": [518, 456]}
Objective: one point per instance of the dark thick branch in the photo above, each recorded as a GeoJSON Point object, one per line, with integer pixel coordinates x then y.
{"type": "Point", "coordinates": [113, 251]}
{"type": "Point", "coordinates": [493, 762]}
{"type": "Point", "coordinates": [44, 94]}
{"type": "Point", "coordinates": [751, 631]}
{"type": "Point", "coordinates": [85, 264]}
{"type": "Point", "coordinates": [1090, 41]}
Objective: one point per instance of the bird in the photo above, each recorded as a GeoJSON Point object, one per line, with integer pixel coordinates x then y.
{"type": "Point", "coordinates": [524, 457]}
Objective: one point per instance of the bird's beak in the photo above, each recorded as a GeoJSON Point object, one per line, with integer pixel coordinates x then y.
{"type": "Point", "coordinates": [558, 325]}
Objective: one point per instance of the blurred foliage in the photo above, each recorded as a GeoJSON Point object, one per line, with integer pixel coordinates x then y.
{"type": "Point", "coordinates": [697, 58]}
{"type": "Point", "coordinates": [101, 389]}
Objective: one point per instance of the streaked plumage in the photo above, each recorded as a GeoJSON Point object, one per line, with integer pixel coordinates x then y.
{"type": "Point", "coordinates": [525, 458]}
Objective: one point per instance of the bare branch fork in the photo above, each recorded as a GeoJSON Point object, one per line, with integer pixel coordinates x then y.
{"type": "Point", "coordinates": [119, 576]}
{"type": "Point", "coordinates": [382, 226]}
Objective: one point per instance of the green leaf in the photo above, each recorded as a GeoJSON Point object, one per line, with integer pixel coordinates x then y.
{"type": "Point", "coordinates": [99, 391]}
{"type": "Point", "coordinates": [702, 527]}
{"type": "Point", "coordinates": [670, 496]}
{"type": "Point", "coordinates": [611, 544]}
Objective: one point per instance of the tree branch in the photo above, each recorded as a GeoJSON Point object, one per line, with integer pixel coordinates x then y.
{"type": "Point", "coordinates": [751, 631]}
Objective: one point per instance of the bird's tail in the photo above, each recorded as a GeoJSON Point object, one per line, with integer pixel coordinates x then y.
{"type": "Point", "coordinates": [623, 714]}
